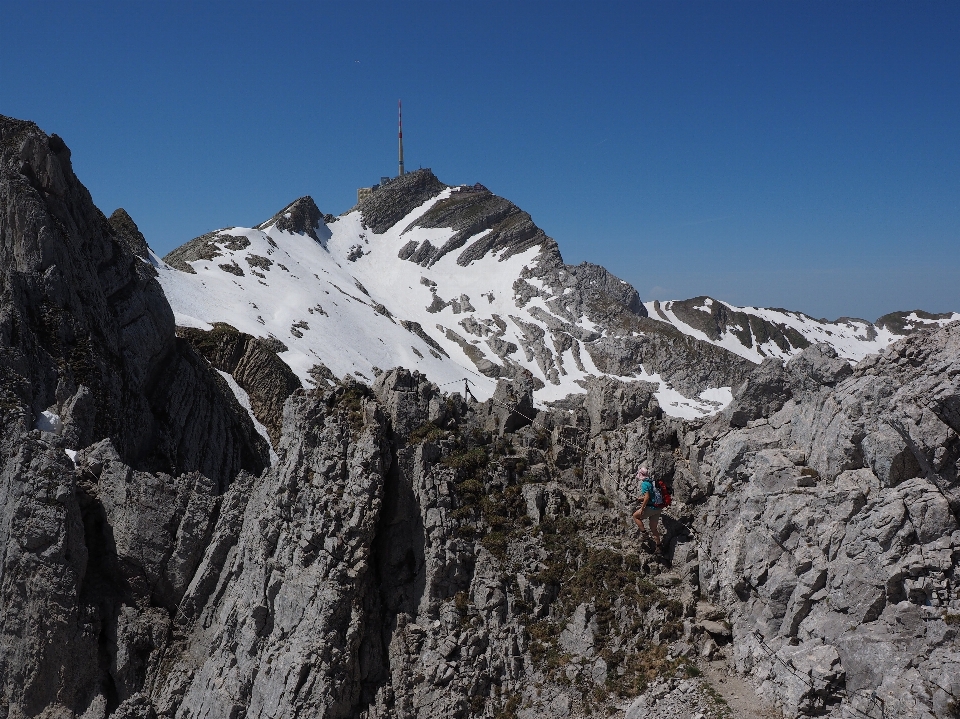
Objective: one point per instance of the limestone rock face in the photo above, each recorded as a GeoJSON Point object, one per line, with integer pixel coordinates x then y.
{"type": "Point", "coordinates": [96, 552]}
{"type": "Point", "coordinates": [79, 310]}
{"type": "Point", "coordinates": [817, 366]}
{"type": "Point", "coordinates": [299, 217]}
{"type": "Point", "coordinates": [280, 618]}
{"type": "Point", "coordinates": [470, 211]}
{"type": "Point", "coordinates": [833, 534]}
{"type": "Point", "coordinates": [612, 403]}
{"type": "Point", "coordinates": [764, 392]}
{"type": "Point", "coordinates": [396, 199]}
{"type": "Point", "coordinates": [128, 231]}
{"type": "Point", "coordinates": [767, 388]}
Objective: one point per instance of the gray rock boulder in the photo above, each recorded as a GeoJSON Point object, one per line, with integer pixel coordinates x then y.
{"type": "Point", "coordinates": [764, 392]}
{"type": "Point", "coordinates": [511, 407]}
{"type": "Point", "coordinates": [610, 403]}
{"type": "Point", "coordinates": [816, 367]}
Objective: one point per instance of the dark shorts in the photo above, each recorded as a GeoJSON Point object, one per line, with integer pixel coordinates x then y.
{"type": "Point", "coordinates": [651, 513]}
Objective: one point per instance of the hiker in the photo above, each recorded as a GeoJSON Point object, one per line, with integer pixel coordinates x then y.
{"type": "Point", "coordinates": [650, 507]}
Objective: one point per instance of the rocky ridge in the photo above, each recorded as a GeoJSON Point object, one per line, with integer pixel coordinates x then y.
{"type": "Point", "coordinates": [494, 299]}
{"type": "Point", "coordinates": [831, 530]}
{"type": "Point", "coordinates": [415, 553]}
{"type": "Point", "coordinates": [756, 333]}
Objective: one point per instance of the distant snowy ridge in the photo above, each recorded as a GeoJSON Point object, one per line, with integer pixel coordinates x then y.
{"type": "Point", "coordinates": [756, 332]}
{"type": "Point", "coordinates": [456, 282]}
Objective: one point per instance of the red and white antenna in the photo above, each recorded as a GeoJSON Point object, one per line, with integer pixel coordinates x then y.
{"type": "Point", "coordinates": [400, 116]}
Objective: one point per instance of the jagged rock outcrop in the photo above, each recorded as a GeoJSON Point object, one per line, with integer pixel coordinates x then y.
{"type": "Point", "coordinates": [611, 403]}
{"type": "Point", "coordinates": [832, 534]}
{"type": "Point", "coordinates": [470, 211]}
{"type": "Point", "coordinates": [629, 340]}
{"type": "Point", "coordinates": [691, 365]}
{"type": "Point", "coordinates": [280, 619]}
{"type": "Point", "coordinates": [394, 200]}
{"type": "Point", "coordinates": [301, 217]}
{"type": "Point", "coordinates": [79, 310]}
{"type": "Point", "coordinates": [768, 387]}
{"type": "Point", "coordinates": [254, 364]}
{"type": "Point", "coordinates": [88, 356]}
{"type": "Point", "coordinates": [765, 390]}
{"type": "Point", "coordinates": [205, 247]}
{"type": "Point", "coordinates": [128, 231]}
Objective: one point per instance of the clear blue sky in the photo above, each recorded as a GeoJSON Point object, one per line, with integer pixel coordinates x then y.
{"type": "Point", "coordinates": [803, 155]}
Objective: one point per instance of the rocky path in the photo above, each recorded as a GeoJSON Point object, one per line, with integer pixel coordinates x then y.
{"type": "Point", "coordinates": [737, 691]}
{"type": "Point", "coordinates": [718, 693]}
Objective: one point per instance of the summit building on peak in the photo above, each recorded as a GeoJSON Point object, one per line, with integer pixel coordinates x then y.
{"type": "Point", "coordinates": [363, 192]}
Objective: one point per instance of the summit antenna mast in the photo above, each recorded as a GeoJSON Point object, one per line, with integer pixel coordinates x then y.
{"type": "Point", "coordinates": [400, 117]}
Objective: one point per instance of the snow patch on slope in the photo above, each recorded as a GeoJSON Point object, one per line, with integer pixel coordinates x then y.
{"type": "Point", "coordinates": [244, 399]}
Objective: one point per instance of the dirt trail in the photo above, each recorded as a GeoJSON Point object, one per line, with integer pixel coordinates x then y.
{"type": "Point", "coordinates": [716, 692]}
{"type": "Point", "coordinates": [738, 692]}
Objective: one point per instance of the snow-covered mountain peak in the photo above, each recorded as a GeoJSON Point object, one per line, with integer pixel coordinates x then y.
{"type": "Point", "coordinates": [455, 282]}
{"type": "Point", "coordinates": [459, 283]}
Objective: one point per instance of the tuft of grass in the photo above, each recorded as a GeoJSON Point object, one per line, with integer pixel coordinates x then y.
{"type": "Point", "coordinates": [426, 432]}
{"type": "Point", "coordinates": [614, 584]}
{"type": "Point", "coordinates": [471, 487]}
{"type": "Point", "coordinates": [477, 703]}
{"type": "Point", "coordinates": [495, 515]}
{"type": "Point", "coordinates": [496, 543]}
{"type": "Point", "coordinates": [350, 399]}
{"type": "Point", "coordinates": [468, 460]}
{"type": "Point", "coordinates": [508, 710]}
{"type": "Point", "coordinates": [719, 703]}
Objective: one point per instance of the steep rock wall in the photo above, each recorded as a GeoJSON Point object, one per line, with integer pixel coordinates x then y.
{"type": "Point", "coordinates": [95, 554]}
